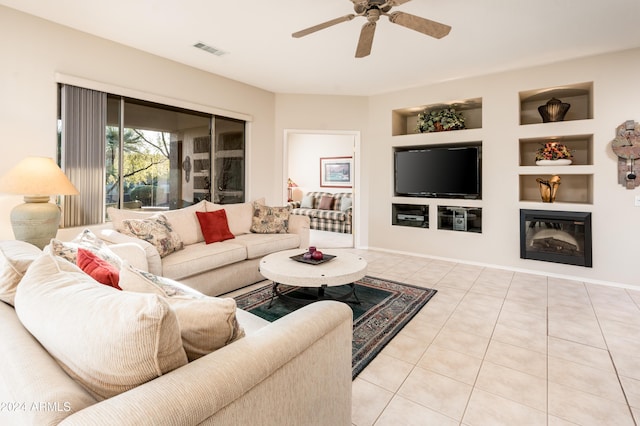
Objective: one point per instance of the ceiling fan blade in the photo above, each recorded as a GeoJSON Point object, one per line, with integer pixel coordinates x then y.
{"type": "Point", "coordinates": [366, 40]}
{"type": "Point", "coordinates": [422, 25]}
{"type": "Point", "coordinates": [322, 26]}
{"type": "Point", "coordinates": [398, 2]}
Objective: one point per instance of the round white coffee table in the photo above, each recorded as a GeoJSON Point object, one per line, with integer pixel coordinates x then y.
{"type": "Point", "coordinates": [344, 269]}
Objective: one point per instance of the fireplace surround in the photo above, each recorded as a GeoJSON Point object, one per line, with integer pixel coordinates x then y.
{"type": "Point", "coordinates": [556, 236]}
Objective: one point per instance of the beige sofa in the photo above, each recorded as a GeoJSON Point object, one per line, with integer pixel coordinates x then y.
{"type": "Point", "coordinates": [212, 269]}
{"type": "Point", "coordinates": [294, 371]}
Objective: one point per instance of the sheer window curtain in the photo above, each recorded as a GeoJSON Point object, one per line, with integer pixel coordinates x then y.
{"type": "Point", "coordinates": [84, 119]}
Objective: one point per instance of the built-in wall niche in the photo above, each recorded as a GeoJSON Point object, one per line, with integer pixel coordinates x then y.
{"type": "Point", "coordinates": [579, 96]}
{"type": "Point", "coordinates": [413, 215]}
{"type": "Point", "coordinates": [574, 188]}
{"type": "Point", "coordinates": [581, 147]}
{"type": "Point", "coordinates": [458, 218]}
{"type": "Point", "coordinates": [404, 120]}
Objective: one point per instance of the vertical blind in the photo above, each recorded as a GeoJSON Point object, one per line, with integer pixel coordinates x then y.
{"type": "Point", "coordinates": [84, 119]}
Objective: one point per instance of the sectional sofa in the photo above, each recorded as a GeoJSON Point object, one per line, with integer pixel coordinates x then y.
{"type": "Point", "coordinates": [78, 352]}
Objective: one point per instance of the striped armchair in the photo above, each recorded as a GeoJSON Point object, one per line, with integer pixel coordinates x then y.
{"type": "Point", "coordinates": [326, 211]}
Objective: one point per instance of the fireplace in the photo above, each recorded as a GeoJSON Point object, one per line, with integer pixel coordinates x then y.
{"type": "Point", "coordinates": [556, 236]}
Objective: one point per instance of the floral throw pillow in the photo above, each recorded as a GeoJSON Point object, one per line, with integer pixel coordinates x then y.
{"type": "Point", "coordinates": [155, 230]}
{"type": "Point", "coordinates": [87, 240]}
{"type": "Point", "coordinates": [270, 220]}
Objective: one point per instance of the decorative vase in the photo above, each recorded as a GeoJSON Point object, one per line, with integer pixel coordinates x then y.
{"type": "Point", "coordinates": [548, 188]}
{"type": "Point", "coordinates": [553, 110]}
{"type": "Point", "coordinates": [558, 162]}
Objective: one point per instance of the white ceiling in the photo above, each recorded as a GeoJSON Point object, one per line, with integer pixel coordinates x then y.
{"type": "Point", "coordinates": [487, 36]}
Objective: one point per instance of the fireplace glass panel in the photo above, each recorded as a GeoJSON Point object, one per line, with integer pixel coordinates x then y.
{"type": "Point", "coordinates": [555, 236]}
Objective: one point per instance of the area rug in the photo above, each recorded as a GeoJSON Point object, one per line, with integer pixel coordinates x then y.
{"type": "Point", "coordinates": [385, 308]}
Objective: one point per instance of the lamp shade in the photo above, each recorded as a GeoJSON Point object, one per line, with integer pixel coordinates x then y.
{"type": "Point", "coordinates": [37, 176]}
{"type": "Point", "coordinates": [36, 221]}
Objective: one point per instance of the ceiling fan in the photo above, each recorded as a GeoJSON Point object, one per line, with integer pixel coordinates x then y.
{"type": "Point", "coordinates": [372, 10]}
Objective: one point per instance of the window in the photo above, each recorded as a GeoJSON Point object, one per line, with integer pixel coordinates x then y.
{"type": "Point", "coordinates": [159, 157]}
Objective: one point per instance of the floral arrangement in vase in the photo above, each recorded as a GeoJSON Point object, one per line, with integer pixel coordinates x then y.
{"type": "Point", "coordinates": [553, 153]}
{"type": "Point", "coordinates": [440, 120]}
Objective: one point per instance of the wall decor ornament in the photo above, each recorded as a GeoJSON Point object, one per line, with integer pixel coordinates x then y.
{"type": "Point", "coordinates": [440, 120]}
{"type": "Point", "coordinates": [553, 110]}
{"type": "Point", "coordinates": [626, 146]}
{"type": "Point", "coordinates": [549, 188]}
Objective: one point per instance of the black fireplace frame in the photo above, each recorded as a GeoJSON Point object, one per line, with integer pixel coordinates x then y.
{"type": "Point", "coordinates": [560, 217]}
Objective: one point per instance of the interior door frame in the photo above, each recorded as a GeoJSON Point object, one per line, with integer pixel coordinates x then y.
{"type": "Point", "coordinates": [356, 231]}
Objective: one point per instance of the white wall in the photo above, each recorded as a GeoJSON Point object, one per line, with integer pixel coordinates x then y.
{"type": "Point", "coordinates": [34, 51]}
{"type": "Point", "coordinates": [304, 153]}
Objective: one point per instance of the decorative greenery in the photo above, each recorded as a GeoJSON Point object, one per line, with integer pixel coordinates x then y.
{"type": "Point", "coordinates": [553, 151]}
{"type": "Point", "coordinates": [440, 120]}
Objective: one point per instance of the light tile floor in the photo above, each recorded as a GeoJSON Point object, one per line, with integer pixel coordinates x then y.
{"type": "Point", "coordinates": [495, 347]}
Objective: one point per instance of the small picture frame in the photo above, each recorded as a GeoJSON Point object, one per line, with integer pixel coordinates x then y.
{"type": "Point", "coordinates": [336, 172]}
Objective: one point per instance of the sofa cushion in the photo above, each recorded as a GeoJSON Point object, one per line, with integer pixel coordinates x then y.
{"type": "Point", "coordinates": [259, 245]}
{"type": "Point", "coordinates": [270, 220]}
{"type": "Point", "coordinates": [215, 226]}
{"type": "Point", "coordinates": [98, 269]}
{"type": "Point", "coordinates": [238, 216]}
{"type": "Point", "coordinates": [307, 202]}
{"type": "Point", "coordinates": [206, 323]}
{"type": "Point", "coordinates": [326, 202]}
{"type": "Point", "coordinates": [201, 257]}
{"type": "Point", "coordinates": [156, 230]}
{"type": "Point", "coordinates": [109, 341]}
{"type": "Point", "coordinates": [87, 240]}
{"type": "Point", "coordinates": [15, 258]}
{"type": "Point", "coordinates": [345, 203]}
{"type": "Point", "coordinates": [184, 220]}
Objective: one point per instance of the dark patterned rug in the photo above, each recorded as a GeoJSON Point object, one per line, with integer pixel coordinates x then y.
{"type": "Point", "coordinates": [385, 308]}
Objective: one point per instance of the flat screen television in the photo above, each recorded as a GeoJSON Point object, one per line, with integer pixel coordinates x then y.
{"type": "Point", "coordinates": [439, 171]}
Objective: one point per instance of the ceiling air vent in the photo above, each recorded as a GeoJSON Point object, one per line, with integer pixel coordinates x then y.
{"type": "Point", "coordinates": [210, 49]}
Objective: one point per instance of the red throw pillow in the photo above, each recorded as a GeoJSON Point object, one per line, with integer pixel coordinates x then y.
{"type": "Point", "coordinates": [214, 226]}
{"type": "Point", "coordinates": [98, 268]}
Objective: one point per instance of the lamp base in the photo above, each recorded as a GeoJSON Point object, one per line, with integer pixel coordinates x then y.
{"type": "Point", "coordinates": [36, 221]}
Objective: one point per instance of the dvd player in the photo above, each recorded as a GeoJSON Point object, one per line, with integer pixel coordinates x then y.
{"type": "Point", "coordinates": [411, 217]}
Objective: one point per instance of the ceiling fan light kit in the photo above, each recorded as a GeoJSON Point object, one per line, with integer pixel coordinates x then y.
{"type": "Point", "coordinates": [372, 10]}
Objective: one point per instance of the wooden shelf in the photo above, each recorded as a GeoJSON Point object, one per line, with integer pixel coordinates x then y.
{"type": "Point", "coordinates": [404, 120]}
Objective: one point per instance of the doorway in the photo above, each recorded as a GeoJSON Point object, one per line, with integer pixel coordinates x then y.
{"type": "Point", "coordinates": [305, 151]}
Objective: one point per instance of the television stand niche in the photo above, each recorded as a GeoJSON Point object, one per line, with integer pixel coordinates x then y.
{"type": "Point", "coordinates": [466, 219]}
{"type": "Point", "coordinates": [413, 215]}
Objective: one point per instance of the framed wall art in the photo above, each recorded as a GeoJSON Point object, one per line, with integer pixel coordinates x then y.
{"type": "Point", "coordinates": [336, 172]}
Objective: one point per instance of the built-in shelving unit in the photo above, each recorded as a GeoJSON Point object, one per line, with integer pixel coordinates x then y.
{"type": "Point", "coordinates": [404, 120]}
{"type": "Point", "coordinates": [576, 179]}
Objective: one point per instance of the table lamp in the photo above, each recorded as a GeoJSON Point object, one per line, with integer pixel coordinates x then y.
{"type": "Point", "coordinates": [37, 178]}
{"type": "Point", "coordinates": [290, 185]}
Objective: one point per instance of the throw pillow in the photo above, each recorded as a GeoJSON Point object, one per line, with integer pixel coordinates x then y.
{"type": "Point", "coordinates": [157, 231]}
{"type": "Point", "coordinates": [87, 240]}
{"type": "Point", "coordinates": [107, 340]}
{"type": "Point", "coordinates": [307, 202]}
{"type": "Point", "coordinates": [345, 203]}
{"type": "Point", "coordinates": [98, 269]}
{"type": "Point", "coordinates": [206, 323]}
{"type": "Point", "coordinates": [326, 202]}
{"type": "Point", "coordinates": [238, 215]}
{"type": "Point", "coordinates": [270, 220]}
{"type": "Point", "coordinates": [183, 220]}
{"type": "Point", "coordinates": [15, 258]}
{"type": "Point", "coordinates": [214, 226]}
